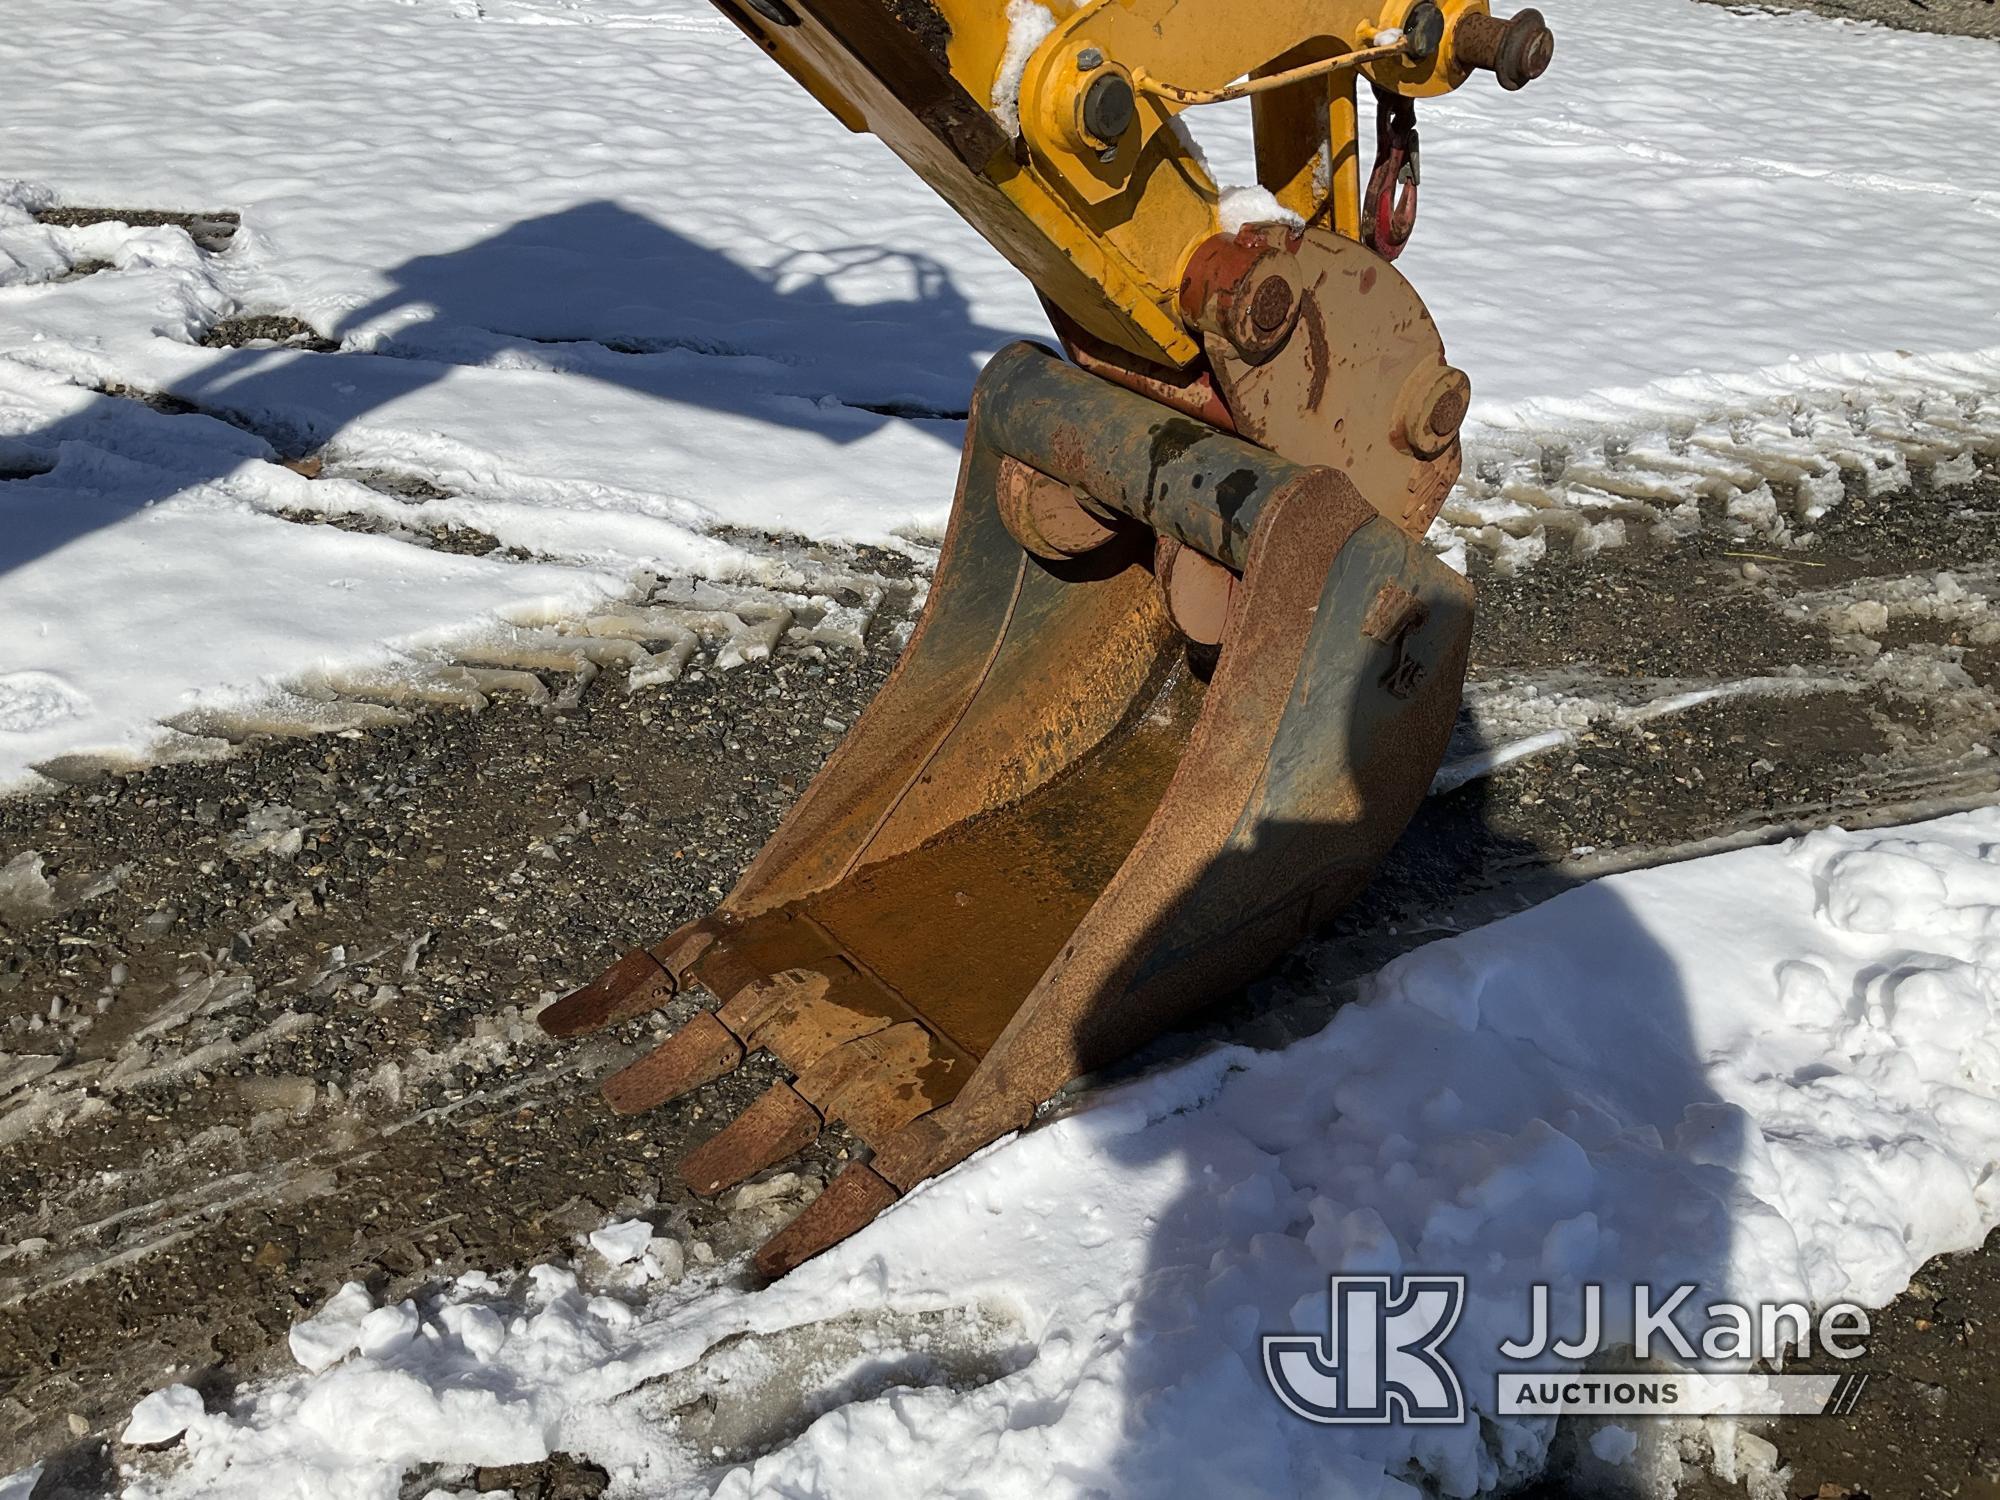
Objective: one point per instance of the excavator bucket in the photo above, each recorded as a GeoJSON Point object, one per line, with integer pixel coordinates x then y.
{"type": "Point", "coordinates": [1171, 700]}
{"type": "Point", "coordinates": [1187, 668]}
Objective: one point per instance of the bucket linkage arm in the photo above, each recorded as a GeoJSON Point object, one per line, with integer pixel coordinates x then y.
{"type": "Point", "coordinates": [1186, 669]}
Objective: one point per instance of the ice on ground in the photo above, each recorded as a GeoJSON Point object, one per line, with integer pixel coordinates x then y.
{"type": "Point", "coordinates": [1614, 1444]}
{"type": "Point", "coordinates": [621, 1241]}
{"type": "Point", "coordinates": [162, 1416]}
{"type": "Point", "coordinates": [18, 1072]}
{"type": "Point", "coordinates": [1861, 613]}
{"type": "Point", "coordinates": [20, 1485]}
{"type": "Point", "coordinates": [268, 829]}
{"type": "Point", "coordinates": [1774, 1073]}
{"type": "Point", "coordinates": [26, 893]}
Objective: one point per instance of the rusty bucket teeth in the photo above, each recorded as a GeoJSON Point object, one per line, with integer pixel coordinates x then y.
{"type": "Point", "coordinates": [779, 1124]}
{"type": "Point", "coordinates": [637, 983]}
{"type": "Point", "coordinates": [851, 1201]}
{"type": "Point", "coordinates": [700, 1052]}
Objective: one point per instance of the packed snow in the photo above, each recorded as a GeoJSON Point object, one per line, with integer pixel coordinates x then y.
{"type": "Point", "coordinates": [622, 1241]}
{"type": "Point", "coordinates": [1028, 25]}
{"type": "Point", "coordinates": [162, 1416]}
{"type": "Point", "coordinates": [610, 289]}
{"type": "Point", "coordinates": [1774, 1073]}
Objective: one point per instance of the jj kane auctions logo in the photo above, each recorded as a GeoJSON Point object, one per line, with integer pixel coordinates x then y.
{"type": "Point", "coordinates": [1382, 1357]}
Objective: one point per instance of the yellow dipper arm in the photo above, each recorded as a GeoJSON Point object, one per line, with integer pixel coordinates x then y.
{"type": "Point", "coordinates": [1072, 165]}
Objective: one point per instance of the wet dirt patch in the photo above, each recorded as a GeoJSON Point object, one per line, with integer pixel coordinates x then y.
{"type": "Point", "coordinates": [1925, 1424]}
{"type": "Point", "coordinates": [561, 1476]}
{"type": "Point", "coordinates": [1696, 611]}
{"type": "Point", "coordinates": [1928, 1425]}
{"type": "Point", "coordinates": [465, 541]}
{"type": "Point", "coordinates": [267, 329]}
{"type": "Point", "coordinates": [1702, 772]}
{"type": "Point", "coordinates": [212, 230]}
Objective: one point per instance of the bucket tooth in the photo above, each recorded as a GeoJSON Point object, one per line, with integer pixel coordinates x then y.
{"type": "Point", "coordinates": [637, 983]}
{"type": "Point", "coordinates": [644, 979]}
{"type": "Point", "coordinates": [700, 1052]}
{"type": "Point", "coordinates": [779, 1124]}
{"type": "Point", "coordinates": [851, 1201]}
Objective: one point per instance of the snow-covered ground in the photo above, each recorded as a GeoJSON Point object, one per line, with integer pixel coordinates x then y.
{"type": "Point", "coordinates": [1774, 1072]}
{"type": "Point", "coordinates": [607, 284]}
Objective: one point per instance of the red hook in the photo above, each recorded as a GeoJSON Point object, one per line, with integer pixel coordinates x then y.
{"type": "Point", "coordinates": [1389, 205]}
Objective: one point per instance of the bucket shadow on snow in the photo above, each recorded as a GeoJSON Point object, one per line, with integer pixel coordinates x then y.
{"type": "Point", "coordinates": [1512, 1133]}
{"type": "Point", "coordinates": [836, 342]}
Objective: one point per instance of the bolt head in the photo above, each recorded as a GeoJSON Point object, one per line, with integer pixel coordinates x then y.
{"type": "Point", "coordinates": [1434, 407]}
{"type": "Point", "coordinates": [1264, 305]}
{"type": "Point", "coordinates": [1526, 50]}
{"type": "Point", "coordinates": [1109, 108]}
{"type": "Point", "coordinates": [1423, 30]}
{"type": "Point", "coordinates": [1271, 304]}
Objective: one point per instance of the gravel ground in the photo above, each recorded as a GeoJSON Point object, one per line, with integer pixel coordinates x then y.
{"type": "Point", "coordinates": [1928, 1423]}
{"type": "Point", "coordinates": [1978, 18]}
{"type": "Point", "coordinates": [374, 918]}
